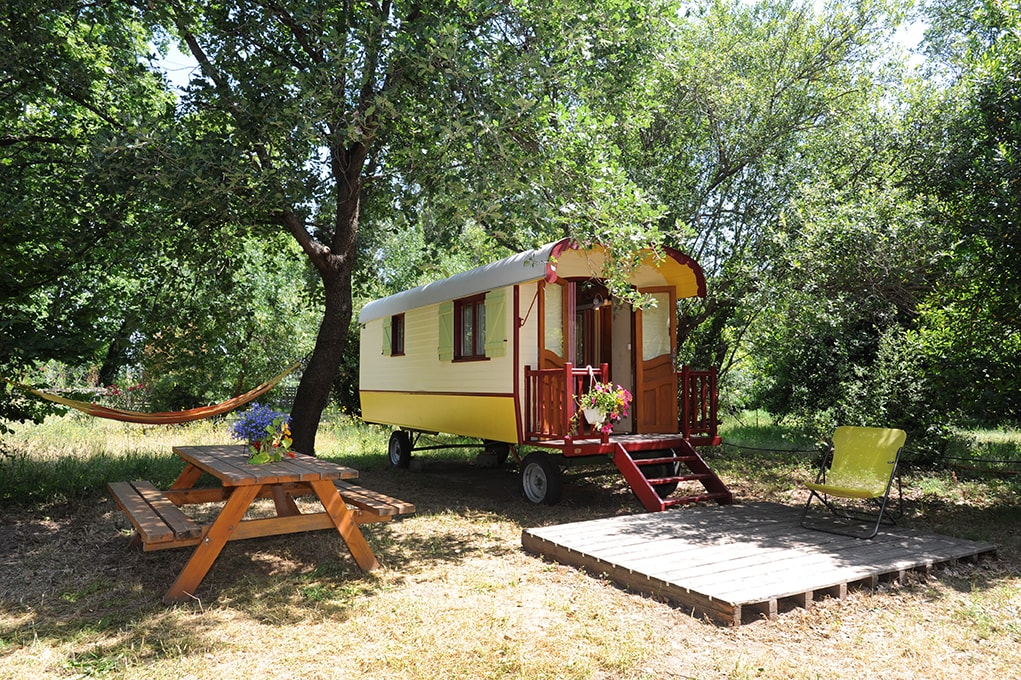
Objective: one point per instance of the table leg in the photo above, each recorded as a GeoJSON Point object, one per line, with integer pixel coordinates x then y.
{"type": "Point", "coordinates": [188, 478]}
{"type": "Point", "coordinates": [212, 543]}
{"type": "Point", "coordinates": [344, 520]}
{"type": "Point", "coordinates": [282, 501]}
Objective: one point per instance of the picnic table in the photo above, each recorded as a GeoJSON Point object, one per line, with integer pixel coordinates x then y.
{"type": "Point", "coordinates": [160, 523]}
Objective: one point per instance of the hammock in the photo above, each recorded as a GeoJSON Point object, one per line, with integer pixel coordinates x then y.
{"type": "Point", "coordinates": [166, 417]}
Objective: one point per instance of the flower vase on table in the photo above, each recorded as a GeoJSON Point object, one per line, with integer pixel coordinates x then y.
{"type": "Point", "coordinates": [266, 432]}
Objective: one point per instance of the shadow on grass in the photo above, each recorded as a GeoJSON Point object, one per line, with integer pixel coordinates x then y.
{"type": "Point", "coordinates": [67, 575]}
{"type": "Point", "coordinates": [69, 580]}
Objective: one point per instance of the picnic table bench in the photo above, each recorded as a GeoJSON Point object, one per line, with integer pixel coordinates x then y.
{"type": "Point", "coordinates": [160, 523]}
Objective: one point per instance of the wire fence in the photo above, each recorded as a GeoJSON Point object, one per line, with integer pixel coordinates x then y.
{"type": "Point", "coordinates": [988, 467]}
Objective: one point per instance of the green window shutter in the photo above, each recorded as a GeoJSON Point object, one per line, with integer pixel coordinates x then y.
{"type": "Point", "coordinates": [388, 336]}
{"type": "Point", "coordinates": [496, 323]}
{"type": "Point", "coordinates": [446, 342]}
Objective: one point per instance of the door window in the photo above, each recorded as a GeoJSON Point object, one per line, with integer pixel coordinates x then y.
{"type": "Point", "coordinates": [656, 327]}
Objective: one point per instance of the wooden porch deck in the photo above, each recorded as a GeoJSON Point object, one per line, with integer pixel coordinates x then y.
{"type": "Point", "coordinates": [737, 563]}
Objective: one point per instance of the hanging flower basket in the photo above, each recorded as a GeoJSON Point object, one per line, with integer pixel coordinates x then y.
{"type": "Point", "coordinates": [604, 404]}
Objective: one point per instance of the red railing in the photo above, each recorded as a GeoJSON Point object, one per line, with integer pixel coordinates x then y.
{"type": "Point", "coordinates": [698, 401]}
{"type": "Point", "coordinates": [550, 400]}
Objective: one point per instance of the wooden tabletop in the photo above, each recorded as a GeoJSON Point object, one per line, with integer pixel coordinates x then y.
{"type": "Point", "coordinates": [230, 465]}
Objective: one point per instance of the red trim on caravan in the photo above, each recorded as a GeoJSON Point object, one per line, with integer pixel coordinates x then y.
{"type": "Point", "coordinates": [551, 261]}
{"type": "Point", "coordinates": [517, 361]}
{"type": "Point", "coordinates": [695, 267]}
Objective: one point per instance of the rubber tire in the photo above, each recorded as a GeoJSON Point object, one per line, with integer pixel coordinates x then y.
{"type": "Point", "coordinates": [541, 481]}
{"type": "Point", "coordinates": [399, 449]}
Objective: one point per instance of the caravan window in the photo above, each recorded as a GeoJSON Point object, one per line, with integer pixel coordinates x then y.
{"type": "Point", "coordinates": [397, 335]}
{"type": "Point", "coordinates": [470, 333]}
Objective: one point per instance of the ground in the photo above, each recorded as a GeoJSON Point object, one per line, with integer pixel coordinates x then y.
{"type": "Point", "coordinates": [457, 597]}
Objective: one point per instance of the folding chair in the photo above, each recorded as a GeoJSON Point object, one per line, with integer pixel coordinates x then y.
{"type": "Point", "coordinates": [864, 463]}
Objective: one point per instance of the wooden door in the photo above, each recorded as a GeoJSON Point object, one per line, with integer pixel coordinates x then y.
{"type": "Point", "coordinates": [655, 403]}
{"type": "Point", "coordinates": [555, 343]}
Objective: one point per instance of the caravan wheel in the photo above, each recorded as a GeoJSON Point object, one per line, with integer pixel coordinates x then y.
{"type": "Point", "coordinates": [541, 481]}
{"type": "Point", "coordinates": [399, 449]}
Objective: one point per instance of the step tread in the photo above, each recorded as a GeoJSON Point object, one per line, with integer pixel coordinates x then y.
{"type": "Point", "coordinates": [698, 477]}
{"type": "Point", "coordinates": [657, 461]}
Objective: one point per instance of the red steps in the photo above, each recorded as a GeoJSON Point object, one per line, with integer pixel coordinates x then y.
{"type": "Point", "coordinates": [645, 487]}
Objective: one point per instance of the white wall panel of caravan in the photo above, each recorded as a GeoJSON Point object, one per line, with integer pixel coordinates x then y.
{"type": "Point", "coordinates": [454, 356]}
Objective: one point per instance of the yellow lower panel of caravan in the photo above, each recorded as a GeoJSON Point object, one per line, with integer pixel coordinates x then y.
{"type": "Point", "coordinates": [471, 415]}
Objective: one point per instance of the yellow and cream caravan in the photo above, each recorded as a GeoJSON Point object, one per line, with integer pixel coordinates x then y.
{"type": "Point", "coordinates": [501, 353]}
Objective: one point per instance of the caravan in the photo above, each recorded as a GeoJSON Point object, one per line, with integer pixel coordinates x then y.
{"type": "Point", "coordinates": [502, 352]}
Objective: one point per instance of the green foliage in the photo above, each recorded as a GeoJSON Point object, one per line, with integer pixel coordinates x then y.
{"type": "Point", "coordinates": [245, 317]}
{"type": "Point", "coordinates": [969, 330]}
{"type": "Point", "coordinates": [30, 480]}
{"type": "Point", "coordinates": [71, 89]}
{"type": "Point", "coordinates": [728, 130]}
{"type": "Point", "coordinates": [859, 229]}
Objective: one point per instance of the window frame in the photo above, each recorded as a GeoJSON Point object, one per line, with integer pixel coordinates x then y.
{"type": "Point", "coordinates": [478, 351]}
{"type": "Point", "coordinates": [397, 328]}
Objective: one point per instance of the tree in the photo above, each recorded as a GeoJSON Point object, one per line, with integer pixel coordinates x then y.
{"type": "Point", "coordinates": [322, 110]}
{"type": "Point", "coordinates": [725, 138]}
{"type": "Point", "coordinates": [108, 266]}
{"type": "Point", "coordinates": [970, 329]}
{"type": "Point", "coordinates": [70, 83]}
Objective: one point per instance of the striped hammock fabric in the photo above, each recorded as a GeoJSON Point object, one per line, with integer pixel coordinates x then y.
{"type": "Point", "coordinates": [166, 417]}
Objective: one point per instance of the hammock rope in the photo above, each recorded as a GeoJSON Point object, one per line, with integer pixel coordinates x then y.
{"type": "Point", "coordinates": [165, 417]}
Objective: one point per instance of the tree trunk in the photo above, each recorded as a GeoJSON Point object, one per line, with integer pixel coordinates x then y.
{"type": "Point", "coordinates": [335, 264]}
{"type": "Point", "coordinates": [114, 358]}
{"type": "Point", "coordinates": [314, 389]}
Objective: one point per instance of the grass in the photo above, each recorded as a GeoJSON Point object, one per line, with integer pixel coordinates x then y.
{"type": "Point", "coordinates": [456, 596]}
{"type": "Point", "coordinates": [986, 452]}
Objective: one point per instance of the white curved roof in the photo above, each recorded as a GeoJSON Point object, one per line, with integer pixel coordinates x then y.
{"type": "Point", "coordinates": [674, 269]}
{"type": "Point", "coordinates": [530, 265]}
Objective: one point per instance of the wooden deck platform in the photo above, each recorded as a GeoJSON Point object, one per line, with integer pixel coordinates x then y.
{"type": "Point", "coordinates": [738, 563]}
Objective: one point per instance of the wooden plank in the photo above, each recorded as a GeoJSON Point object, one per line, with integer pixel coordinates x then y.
{"type": "Point", "coordinates": [230, 465]}
{"type": "Point", "coordinates": [274, 526]}
{"type": "Point", "coordinates": [155, 518]}
{"type": "Point", "coordinates": [373, 501]}
{"type": "Point", "coordinates": [209, 548]}
{"type": "Point", "coordinates": [149, 525]}
{"type": "Point", "coordinates": [197, 496]}
{"type": "Point", "coordinates": [317, 468]}
{"type": "Point", "coordinates": [188, 478]}
{"type": "Point", "coordinates": [343, 520]}
{"type": "Point", "coordinates": [738, 563]}
{"type": "Point", "coordinates": [698, 603]}
{"type": "Point", "coordinates": [221, 462]}
{"type": "Point", "coordinates": [182, 525]}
